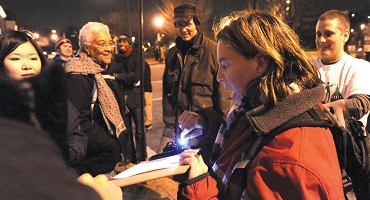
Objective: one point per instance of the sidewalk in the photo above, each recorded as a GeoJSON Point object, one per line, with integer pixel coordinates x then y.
{"type": "Point", "coordinates": [163, 188]}
{"type": "Point", "coordinates": [152, 61]}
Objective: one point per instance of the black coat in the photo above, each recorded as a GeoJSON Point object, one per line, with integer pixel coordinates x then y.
{"type": "Point", "coordinates": [128, 73]}
{"type": "Point", "coordinates": [32, 166]}
{"type": "Point", "coordinates": [103, 149]}
{"type": "Point", "coordinates": [192, 85]}
{"type": "Point", "coordinates": [32, 163]}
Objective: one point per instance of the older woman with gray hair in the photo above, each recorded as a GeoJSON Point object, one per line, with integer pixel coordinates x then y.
{"type": "Point", "coordinates": [98, 99]}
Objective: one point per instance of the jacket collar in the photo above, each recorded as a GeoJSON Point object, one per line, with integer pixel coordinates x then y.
{"type": "Point", "coordinates": [286, 110]}
{"type": "Point", "coordinates": [195, 43]}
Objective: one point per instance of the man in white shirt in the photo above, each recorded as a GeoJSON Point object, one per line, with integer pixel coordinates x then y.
{"type": "Point", "coordinates": [345, 77]}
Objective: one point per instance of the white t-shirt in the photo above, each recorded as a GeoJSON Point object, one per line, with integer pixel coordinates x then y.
{"type": "Point", "coordinates": [346, 77]}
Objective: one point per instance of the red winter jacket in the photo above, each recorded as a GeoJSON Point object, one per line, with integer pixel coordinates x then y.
{"type": "Point", "coordinates": [300, 163]}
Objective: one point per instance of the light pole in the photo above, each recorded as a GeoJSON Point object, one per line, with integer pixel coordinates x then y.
{"type": "Point", "coordinates": [288, 12]}
{"type": "Point", "coordinates": [254, 4]}
{"type": "Point", "coordinates": [361, 41]}
{"type": "Point", "coordinates": [54, 35]}
{"type": "Point", "coordinates": [158, 22]}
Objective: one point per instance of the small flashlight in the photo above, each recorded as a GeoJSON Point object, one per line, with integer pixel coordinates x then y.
{"type": "Point", "coordinates": [183, 142]}
{"type": "Point", "coordinates": [184, 138]}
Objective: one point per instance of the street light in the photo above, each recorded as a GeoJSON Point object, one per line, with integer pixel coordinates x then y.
{"type": "Point", "coordinates": [288, 12]}
{"type": "Point", "coordinates": [54, 35]}
{"type": "Point", "coordinates": [158, 50]}
{"type": "Point", "coordinates": [158, 22]}
{"type": "Point", "coordinates": [362, 26]}
{"type": "Point", "coordinates": [2, 13]}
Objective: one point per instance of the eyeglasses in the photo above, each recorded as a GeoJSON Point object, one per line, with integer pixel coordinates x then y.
{"type": "Point", "coordinates": [105, 45]}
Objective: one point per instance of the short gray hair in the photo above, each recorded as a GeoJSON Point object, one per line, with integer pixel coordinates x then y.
{"type": "Point", "coordinates": [86, 33]}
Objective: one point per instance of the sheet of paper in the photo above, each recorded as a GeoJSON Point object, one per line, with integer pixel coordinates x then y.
{"type": "Point", "coordinates": [146, 166]}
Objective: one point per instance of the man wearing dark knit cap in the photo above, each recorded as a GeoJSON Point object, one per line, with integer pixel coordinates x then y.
{"type": "Point", "coordinates": [127, 69]}
{"type": "Point", "coordinates": [189, 81]}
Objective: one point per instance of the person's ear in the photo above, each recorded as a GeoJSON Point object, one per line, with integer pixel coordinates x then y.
{"type": "Point", "coordinates": [262, 64]}
{"type": "Point", "coordinates": [346, 36]}
{"type": "Point", "coordinates": [87, 50]}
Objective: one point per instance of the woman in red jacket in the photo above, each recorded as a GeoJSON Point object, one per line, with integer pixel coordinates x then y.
{"type": "Point", "coordinates": [262, 62]}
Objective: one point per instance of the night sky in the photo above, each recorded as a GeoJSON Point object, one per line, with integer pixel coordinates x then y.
{"type": "Point", "coordinates": [40, 15]}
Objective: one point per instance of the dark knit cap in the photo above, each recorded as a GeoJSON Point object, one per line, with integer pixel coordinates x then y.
{"type": "Point", "coordinates": [61, 41]}
{"type": "Point", "coordinates": [185, 12]}
{"type": "Point", "coordinates": [125, 37]}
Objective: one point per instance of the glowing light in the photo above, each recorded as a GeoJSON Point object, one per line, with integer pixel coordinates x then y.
{"type": "Point", "coordinates": [171, 45]}
{"type": "Point", "coordinates": [2, 13]}
{"type": "Point", "coordinates": [158, 22]}
{"type": "Point", "coordinates": [183, 142]}
{"type": "Point", "coordinates": [362, 26]}
{"type": "Point", "coordinates": [54, 37]}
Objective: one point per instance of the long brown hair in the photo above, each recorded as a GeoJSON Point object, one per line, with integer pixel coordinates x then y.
{"type": "Point", "coordinates": [250, 32]}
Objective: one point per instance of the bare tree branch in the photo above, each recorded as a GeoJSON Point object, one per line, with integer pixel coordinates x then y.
{"type": "Point", "coordinates": [118, 23]}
